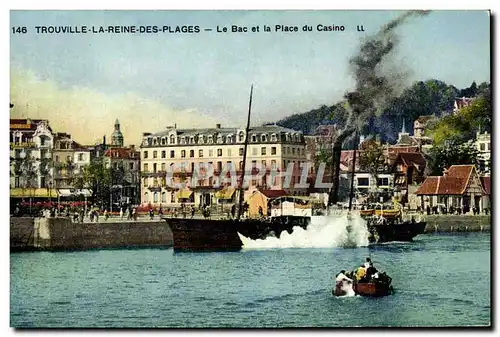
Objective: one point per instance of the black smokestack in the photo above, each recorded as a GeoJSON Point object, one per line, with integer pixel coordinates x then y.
{"type": "Point", "coordinates": [373, 86]}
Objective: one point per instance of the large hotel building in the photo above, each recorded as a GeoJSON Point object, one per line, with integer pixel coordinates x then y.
{"type": "Point", "coordinates": [273, 147]}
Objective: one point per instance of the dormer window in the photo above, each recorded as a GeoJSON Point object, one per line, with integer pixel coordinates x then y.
{"type": "Point", "coordinates": [220, 140]}
{"type": "Point", "coordinates": [183, 140]}
{"type": "Point", "coordinates": [254, 138]}
{"type": "Point", "coordinates": [163, 141]}
{"type": "Point", "coordinates": [263, 138]}
{"type": "Point", "coordinates": [201, 139]}
{"type": "Point", "coordinates": [229, 139]}
{"type": "Point", "coordinates": [172, 139]}
{"type": "Point", "coordinates": [155, 141]}
{"type": "Point", "coordinates": [241, 136]}
{"type": "Point", "coordinates": [273, 137]}
{"type": "Point", "coordinates": [191, 140]}
{"type": "Point", "coordinates": [210, 139]}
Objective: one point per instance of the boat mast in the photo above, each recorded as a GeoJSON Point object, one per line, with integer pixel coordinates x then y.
{"type": "Point", "coordinates": [353, 169]}
{"type": "Point", "coordinates": [240, 187]}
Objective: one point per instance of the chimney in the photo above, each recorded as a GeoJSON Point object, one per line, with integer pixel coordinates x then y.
{"type": "Point", "coordinates": [104, 141]}
{"type": "Point", "coordinates": [217, 126]}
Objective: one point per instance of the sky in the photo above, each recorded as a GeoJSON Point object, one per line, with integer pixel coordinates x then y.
{"type": "Point", "coordinates": [83, 82]}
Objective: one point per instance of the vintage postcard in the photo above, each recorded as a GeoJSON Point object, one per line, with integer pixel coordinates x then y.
{"type": "Point", "coordinates": [250, 169]}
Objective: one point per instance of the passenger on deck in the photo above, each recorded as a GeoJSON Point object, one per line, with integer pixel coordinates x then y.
{"type": "Point", "coordinates": [360, 273]}
{"type": "Point", "coordinates": [370, 269]}
{"type": "Point", "coordinates": [342, 277]}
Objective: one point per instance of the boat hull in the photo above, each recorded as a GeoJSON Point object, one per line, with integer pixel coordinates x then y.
{"type": "Point", "coordinates": [372, 289]}
{"type": "Point", "coordinates": [222, 235]}
{"type": "Point", "coordinates": [404, 231]}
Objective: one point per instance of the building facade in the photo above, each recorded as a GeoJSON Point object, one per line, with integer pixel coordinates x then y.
{"type": "Point", "coordinates": [126, 164]}
{"type": "Point", "coordinates": [31, 145]}
{"type": "Point", "coordinates": [68, 159]}
{"type": "Point", "coordinates": [184, 150]}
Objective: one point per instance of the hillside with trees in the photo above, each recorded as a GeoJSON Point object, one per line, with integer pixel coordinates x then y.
{"type": "Point", "coordinates": [421, 99]}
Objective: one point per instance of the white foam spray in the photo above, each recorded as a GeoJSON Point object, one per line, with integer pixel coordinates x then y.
{"type": "Point", "coordinates": [323, 232]}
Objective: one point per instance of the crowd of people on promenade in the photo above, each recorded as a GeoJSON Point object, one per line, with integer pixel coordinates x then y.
{"type": "Point", "coordinates": [452, 210]}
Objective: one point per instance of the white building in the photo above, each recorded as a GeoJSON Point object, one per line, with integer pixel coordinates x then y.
{"type": "Point", "coordinates": [273, 147]}
{"type": "Point", "coordinates": [483, 144]}
{"type": "Point", "coordinates": [31, 144]}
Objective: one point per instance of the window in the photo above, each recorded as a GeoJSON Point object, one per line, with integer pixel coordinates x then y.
{"type": "Point", "coordinates": [57, 157]}
{"type": "Point", "coordinates": [131, 166]}
{"type": "Point", "coordinates": [273, 150]}
{"type": "Point", "coordinates": [383, 182]}
{"type": "Point", "coordinates": [254, 151]}
{"type": "Point", "coordinates": [273, 163]}
{"type": "Point", "coordinates": [219, 152]}
{"type": "Point", "coordinates": [263, 151]}
{"type": "Point", "coordinates": [241, 136]}
{"type": "Point", "coordinates": [155, 154]}
{"type": "Point", "coordinates": [191, 140]}
{"type": "Point", "coordinates": [273, 137]}
{"type": "Point", "coordinates": [145, 154]}
{"type": "Point", "coordinates": [264, 164]}
{"type": "Point", "coordinates": [210, 139]}
{"type": "Point", "coordinates": [229, 164]}
{"type": "Point", "coordinates": [192, 167]}
{"type": "Point", "coordinates": [146, 169]}
{"type": "Point", "coordinates": [183, 140]}
{"type": "Point", "coordinates": [183, 154]}
{"type": "Point", "coordinates": [200, 139]}
{"type": "Point", "coordinates": [42, 141]}
{"type": "Point", "coordinates": [293, 150]}
{"type": "Point", "coordinates": [363, 181]}
{"type": "Point", "coordinates": [488, 147]}
{"type": "Point", "coordinates": [220, 140]}
{"type": "Point", "coordinates": [164, 154]}
{"type": "Point", "coordinates": [172, 154]}
{"type": "Point", "coordinates": [163, 141]}
{"type": "Point", "coordinates": [240, 152]}
{"type": "Point", "coordinates": [229, 152]}
{"type": "Point", "coordinates": [155, 197]}
{"type": "Point", "coordinates": [254, 138]}
{"type": "Point", "coordinates": [254, 163]}
{"type": "Point", "coordinates": [154, 167]}
{"type": "Point", "coordinates": [229, 139]}
{"type": "Point", "coordinates": [210, 153]}
{"type": "Point", "coordinates": [219, 166]}
{"type": "Point", "coordinates": [80, 157]}
{"type": "Point", "coordinates": [482, 146]}
{"type": "Point", "coordinates": [200, 153]}
{"type": "Point", "coordinates": [16, 182]}
{"type": "Point", "coordinates": [164, 197]}
{"type": "Point", "coordinates": [163, 167]}
{"type": "Point", "coordinates": [263, 138]}
{"type": "Point", "coordinates": [172, 139]}
{"type": "Point", "coordinates": [68, 159]}
{"type": "Point", "coordinates": [240, 165]}
{"type": "Point", "coordinates": [191, 153]}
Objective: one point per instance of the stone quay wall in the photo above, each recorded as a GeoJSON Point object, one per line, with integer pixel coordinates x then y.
{"type": "Point", "coordinates": [457, 223]}
{"type": "Point", "coordinates": [63, 234]}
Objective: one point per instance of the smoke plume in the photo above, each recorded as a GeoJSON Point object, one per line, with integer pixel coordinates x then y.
{"type": "Point", "coordinates": [374, 86]}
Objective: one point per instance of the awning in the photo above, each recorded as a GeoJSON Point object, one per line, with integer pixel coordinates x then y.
{"type": "Point", "coordinates": [85, 192]}
{"type": "Point", "coordinates": [226, 193]}
{"type": "Point", "coordinates": [64, 192]}
{"type": "Point", "coordinates": [33, 193]}
{"type": "Point", "coordinates": [183, 194]}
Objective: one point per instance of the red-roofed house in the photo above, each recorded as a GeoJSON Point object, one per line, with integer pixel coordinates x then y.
{"type": "Point", "coordinates": [460, 186]}
{"type": "Point", "coordinates": [261, 198]}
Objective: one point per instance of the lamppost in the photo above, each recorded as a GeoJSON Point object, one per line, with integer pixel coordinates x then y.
{"type": "Point", "coordinates": [50, 192]}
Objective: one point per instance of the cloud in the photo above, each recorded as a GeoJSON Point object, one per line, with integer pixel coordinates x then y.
{"type": "Point", "coordinates": [88, 115]}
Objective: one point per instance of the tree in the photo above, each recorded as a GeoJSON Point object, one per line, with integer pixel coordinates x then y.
{"type": "Point", "coordinates": [464, 124]}
{"type": "Point", "coordinates": [97, 178]}
{"type": "Point", "coordinates": [451, 152]}
{"type": "Point", "coordinates": [371, 157]}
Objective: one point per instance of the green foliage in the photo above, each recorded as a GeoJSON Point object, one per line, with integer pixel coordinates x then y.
{"type": "Point", "coordinates": [463, 125]}
{"type": "Point", "coordinates": [452, 152]}
{"type": "Point", "coordinates": [371, 157]}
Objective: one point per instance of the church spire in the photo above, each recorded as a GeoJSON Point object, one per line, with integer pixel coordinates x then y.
{"type": "Point", "coordinates": [403, 130]}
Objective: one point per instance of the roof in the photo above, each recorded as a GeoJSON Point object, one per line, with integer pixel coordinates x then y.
{"type": "Point", "coordinates": [454, 182]}
{"type": "Point", "coordinates": [442, 186]}
{"type": "Point", "coordinates": [425, 119]}
{"type": "Point", "coordinates": [407, 139]}
{"type": "Point", "coordinates": [415, 159]}
{"type": "Point", "coordinates": [486, 181]}
{"type": "Point", "coordinates": [121, 153]}
{"type": "Point", "coordinates": [22, 124]}
{"type": "Point", "coordinates": [228, 130]}
{"type": "Point", "coordinates": [273, 193]}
